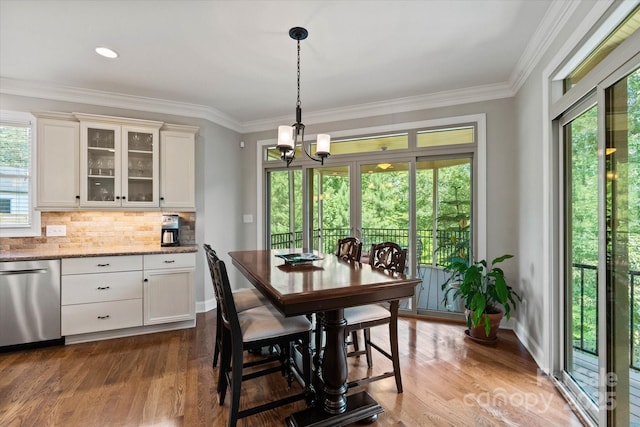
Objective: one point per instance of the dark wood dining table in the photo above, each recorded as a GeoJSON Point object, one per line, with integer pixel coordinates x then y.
{"type": "Point", "coordinates": [326, 286]}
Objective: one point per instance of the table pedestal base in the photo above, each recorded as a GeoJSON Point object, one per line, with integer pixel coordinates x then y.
{"type": "Point", "coordinates": [360, 406]}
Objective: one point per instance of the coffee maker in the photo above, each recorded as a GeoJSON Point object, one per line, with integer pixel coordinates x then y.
{"type": "Point", "coordinates": [170, 233]}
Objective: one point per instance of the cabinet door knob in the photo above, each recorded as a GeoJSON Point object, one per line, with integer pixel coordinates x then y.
{"type": "Point", "coordinates": [103, 265]}
{"type": "Point", "coordinates": [117, 197]}
{"type": "Point", "coordinates": [161, 198]}
{"type": "Point", "coordinates": [103, 317]}
{"type": "Point", "coordinates": [124, 197]}
{"type": "Point", "coordinates": [103, 288]}
{"type": "Point", "coordinates": [77, 197]}
{"type": "Point", "coordinates": [146, 280]}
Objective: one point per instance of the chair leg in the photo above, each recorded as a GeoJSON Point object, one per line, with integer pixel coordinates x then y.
{"type": "Point", "coordinates": [236, 384]}
{"type": "Point", "coordinates": [317, 357]}
{"type": "Point", "coordinates": [393, 335]}
{"type": "Point", "coordinates": [225, 365]}
{"type": "Point", "coordinates": [354, 341]}
{"type": "Point", "coordinates": [367, 346]}
{"type": "Point", "coordinates": [306, 367]}
{"type": "Point", "coordinates": [218, 340]}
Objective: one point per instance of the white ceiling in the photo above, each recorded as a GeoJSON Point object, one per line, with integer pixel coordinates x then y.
{"type": "Point", "coordinates": [236, 59]}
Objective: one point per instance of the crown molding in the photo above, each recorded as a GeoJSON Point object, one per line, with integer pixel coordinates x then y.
{"type": "Point", "coordinates": [116, 100]}
{"type": "Point", "coordinates": [553, 21]}
{"type": "Point", "coordinates": [392, 106]}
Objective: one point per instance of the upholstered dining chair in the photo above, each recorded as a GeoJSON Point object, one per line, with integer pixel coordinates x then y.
{"type": "Point", "coordinates": [390, 258]}
{"type": "Point", "coordinates": [253, 329]}
{"type": "Point", "coordinates": [244, 299]}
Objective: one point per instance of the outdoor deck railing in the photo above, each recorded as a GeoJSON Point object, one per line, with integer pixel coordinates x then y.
{"type": "Point", "coordinates": [326, 239]}
{"type": "Point", "coordinates": [586, 283]}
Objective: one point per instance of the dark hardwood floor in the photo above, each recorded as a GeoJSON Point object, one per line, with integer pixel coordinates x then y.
{"type": "Point", "coordinates": [166, 379]}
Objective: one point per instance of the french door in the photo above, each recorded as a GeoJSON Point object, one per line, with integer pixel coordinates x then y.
{"type": "Point", "coordinates": [601, 172]}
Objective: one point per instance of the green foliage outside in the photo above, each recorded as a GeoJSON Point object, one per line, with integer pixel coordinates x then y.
{"type": "Point", "coordinates": [15, 147]}
{"type": "Point", "coordinates": [584, 216]}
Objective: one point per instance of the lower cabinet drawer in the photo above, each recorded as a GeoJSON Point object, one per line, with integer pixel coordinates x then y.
{"type": "Point", "coordinates": [87, 288]}
{"type": "Point", "coordinates": [101, 316]}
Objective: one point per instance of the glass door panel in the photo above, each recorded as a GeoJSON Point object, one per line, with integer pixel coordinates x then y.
{"type": "Point", "coordinates": [284, 209]}
{"type": "Point", "coordinates": [622, 240]}
{"type": "Point", "coordinates": [443, 232]}
{"type": "Point", "coordinates": [384, 208]}
{"type": "Point", "coordinates": [140, 166]}
{"type": "Point", "coordinates": [101, 165]}
{"type": "Point", "coordinates": [581, 253]}
{"type": "Point", "coordinates": [331, 207]}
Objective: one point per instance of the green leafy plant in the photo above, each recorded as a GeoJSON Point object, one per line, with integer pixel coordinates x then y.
{"type": "Point", "coordinates": [482, 287]}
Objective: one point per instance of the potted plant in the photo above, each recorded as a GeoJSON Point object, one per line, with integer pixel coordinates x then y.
{"type": "Point", "coordinates": [485, 293]}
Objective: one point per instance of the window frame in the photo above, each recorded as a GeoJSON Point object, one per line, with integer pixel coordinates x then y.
{"type": "Point", "coordinates": [34, 229]}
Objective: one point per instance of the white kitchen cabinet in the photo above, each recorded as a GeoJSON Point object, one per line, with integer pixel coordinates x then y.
{"type": "Point", "coordinates": [101, 293]}
{"type": "Point", "coordinates": [177, 167]}
{"type": "Point", "coordinates": [58, 153]}
{"type": "Point", "coordinates": [119, 160]}
{"type": "Point", "coordinates": [168, 288]}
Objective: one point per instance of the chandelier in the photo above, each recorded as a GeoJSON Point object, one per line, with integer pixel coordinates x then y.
{"type": "Point", "coordinates": [290, 136]}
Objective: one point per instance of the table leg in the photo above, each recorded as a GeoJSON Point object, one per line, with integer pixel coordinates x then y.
{"type": "Point", "coordinates": [336, 409]}
{"type": "Point", "coordinates": [334, 362]}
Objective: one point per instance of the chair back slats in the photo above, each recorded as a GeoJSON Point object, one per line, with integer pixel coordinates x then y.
{"type": "Point", "coordinates": [389, 256]}
{"type": "Point", "coordinates": [222, 290]}
{"type": "Point", "coordinates": [349, 249]}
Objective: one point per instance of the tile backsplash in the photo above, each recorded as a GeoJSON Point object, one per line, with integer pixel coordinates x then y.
{"type": "Point", "coordinates": [101, 228]}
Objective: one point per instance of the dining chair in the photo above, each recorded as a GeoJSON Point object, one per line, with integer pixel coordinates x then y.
{"type": "Point", "coordinates": [253, 329]}
{"type": "Point", "coordinates": [349, 249]}
{"type": "Point", "coordinates": [390, 258]}
{"type": "Point", "coordinates": [244, 299]}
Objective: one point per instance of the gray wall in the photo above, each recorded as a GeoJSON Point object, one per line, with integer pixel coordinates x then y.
{"type": "Point", "coordinates": [537, 328]}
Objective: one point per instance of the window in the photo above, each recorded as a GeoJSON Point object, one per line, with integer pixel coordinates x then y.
{"type": "Point", "coordinates": [17, 183]}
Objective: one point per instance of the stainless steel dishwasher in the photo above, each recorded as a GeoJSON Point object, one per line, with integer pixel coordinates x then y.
{"type": "Point", "coordinates": [29, 302]}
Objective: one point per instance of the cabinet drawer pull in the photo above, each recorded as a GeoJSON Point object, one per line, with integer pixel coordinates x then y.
{"type": "Point", "coordinates": [169, 261]}
{"type": "Point", "coordinates": [103, 317]}
{"type": "Point", "coordinates": [103, 265]}
{"type": "Point", "coordinates": [102, 288]}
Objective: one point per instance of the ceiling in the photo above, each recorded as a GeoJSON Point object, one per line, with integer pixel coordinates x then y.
{"type": "Point", "coordinates": [235, 59]}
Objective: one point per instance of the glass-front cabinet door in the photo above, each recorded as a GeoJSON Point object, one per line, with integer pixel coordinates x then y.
{"type": "Point", "coordinates": [119, 165]}
{"type": "Point", "coordinates": [139, 166]}
{"type": "Point", "coordinates": [100, 165]}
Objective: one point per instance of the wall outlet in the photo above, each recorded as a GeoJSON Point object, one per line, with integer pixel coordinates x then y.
{"type": "Point", "coordinates": [56, 230]}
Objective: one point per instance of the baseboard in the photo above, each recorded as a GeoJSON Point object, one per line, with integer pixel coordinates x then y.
{"type": "Point", "coordinates": [128, 332]}
{"type": "Point", "coordinates": [532, 347]}
{"type": "Point", "coordinates": [204, 306]}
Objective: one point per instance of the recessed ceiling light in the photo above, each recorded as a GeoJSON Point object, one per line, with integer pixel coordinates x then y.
{"type": "Point", "coordinates": [106, 52]}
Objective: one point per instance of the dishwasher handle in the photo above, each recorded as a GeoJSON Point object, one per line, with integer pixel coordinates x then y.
{"type": "Point", "coordinates": [29, 271]}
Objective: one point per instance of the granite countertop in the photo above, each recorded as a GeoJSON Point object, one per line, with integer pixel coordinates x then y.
{"type": "Point", "coordinates": [38, 254]}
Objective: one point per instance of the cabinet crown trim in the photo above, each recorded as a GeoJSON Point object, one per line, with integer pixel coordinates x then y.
{"type": "Point", "coordinates": [117, 120]}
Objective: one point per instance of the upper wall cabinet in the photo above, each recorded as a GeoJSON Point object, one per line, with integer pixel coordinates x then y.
{"type": "Point", "coordinates": [119, 162]}
{"type": "Point", "coordinates": [177, 167]}
{"type": "Point", "coordinates": [58, 150]}
{"type": "Point", "coordinates": [88, 161]}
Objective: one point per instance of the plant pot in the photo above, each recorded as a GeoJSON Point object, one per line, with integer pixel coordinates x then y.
{"type": "Point", "coordinates": [478, 332]}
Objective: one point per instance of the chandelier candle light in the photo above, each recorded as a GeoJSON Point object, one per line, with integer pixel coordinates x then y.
{"type": "Point", "coordinates": [290, 136]}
